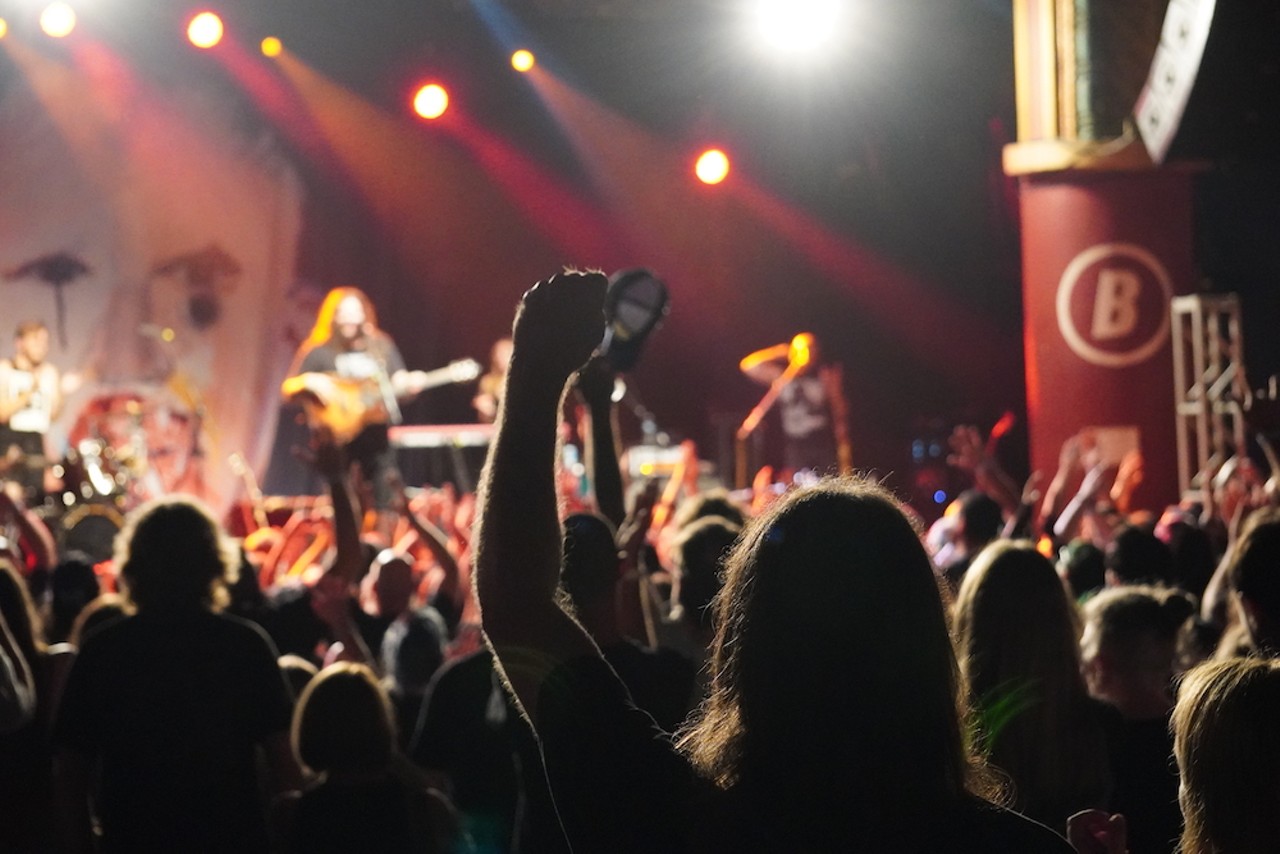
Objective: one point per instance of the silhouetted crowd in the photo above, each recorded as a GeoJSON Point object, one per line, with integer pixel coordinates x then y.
{"type": "Point", "coordinates": [567, 662]}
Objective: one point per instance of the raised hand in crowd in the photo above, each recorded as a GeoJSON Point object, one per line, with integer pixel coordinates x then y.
{"type": "Point", "coordinates": [1068, 471]}
{"type": "Point", "coordinates": [1022, 524]}
{"type": "Point", "coordinates": [453, 590]}
{"type": "Point", "coordinates": [595, 384]}
{"type": "Point", "coordinates": [635, 594]}
{"type": "Point", "coordinates": [973, 454]}
{"type": "Point", "coordinates": [1128, 478]}
{"type": "Point", "coordinates": [518, 543]}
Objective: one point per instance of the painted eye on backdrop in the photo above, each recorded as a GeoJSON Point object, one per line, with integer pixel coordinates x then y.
{"type": "Point", "coordinates": [206, 275]}
{"type": "Point", "coordinates": [57, 270]}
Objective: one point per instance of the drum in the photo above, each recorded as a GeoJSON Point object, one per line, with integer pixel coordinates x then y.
{"type": "Point", "coordinates": [90, 472]}
{"type": "Point", "coordinates": [90, 528]}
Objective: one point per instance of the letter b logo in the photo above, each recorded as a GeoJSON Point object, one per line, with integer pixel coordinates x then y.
{"type": "Point", "coordinates": [1113, 304]}
{"type": "Point", "coordinates": [1115, 307]}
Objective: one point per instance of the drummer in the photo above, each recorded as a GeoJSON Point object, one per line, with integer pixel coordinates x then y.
{"type": "Point", "coordinates": [30, 398]}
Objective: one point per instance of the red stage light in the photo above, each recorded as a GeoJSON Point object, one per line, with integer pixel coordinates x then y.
{"type": "Point", "coordinates": [712, 166]}
{"type": "Point", "coordinates": [205, 30]}
{"type": "Point", "coordinates": [58, 20]}
{"type": "Point", "coordinates": [430, 101]}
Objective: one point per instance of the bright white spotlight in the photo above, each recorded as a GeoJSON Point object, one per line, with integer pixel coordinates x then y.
{"type": "Point", "coordinates": [205, 30]}
{"type": "Point", "coordinates": [794, 26]}
{"type": "Point", "coordinates": [58, 20]}
{"type": "Point", "coordinates": [712, 166]}
{"type": "Point", "coordinates": [430, 101]}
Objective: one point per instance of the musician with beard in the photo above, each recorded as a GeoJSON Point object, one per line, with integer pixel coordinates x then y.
{"type": "Point", "coordinates": [30, 396]}
{"type": "Point", "coordinates": [350, 377]}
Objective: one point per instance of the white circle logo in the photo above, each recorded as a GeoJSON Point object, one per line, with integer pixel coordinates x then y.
{"type": "Point", "coordinates": [1113, 304]}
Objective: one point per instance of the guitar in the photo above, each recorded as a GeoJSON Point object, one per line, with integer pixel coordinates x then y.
{"type": "Point", "coordinates": [344, 406]}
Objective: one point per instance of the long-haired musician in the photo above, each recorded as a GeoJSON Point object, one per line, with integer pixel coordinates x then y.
{"type": "Point", "coordinates": [351, 377]}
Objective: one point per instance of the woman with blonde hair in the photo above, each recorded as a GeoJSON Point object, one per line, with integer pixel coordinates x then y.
{"type": "Point", "coordinates": [1017, 643]}
{"type": "Point", "coordinates": [1228, 751]}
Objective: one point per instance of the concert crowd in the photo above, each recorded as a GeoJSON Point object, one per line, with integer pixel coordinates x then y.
{"type": "Point", "coordinates": [567, 660]}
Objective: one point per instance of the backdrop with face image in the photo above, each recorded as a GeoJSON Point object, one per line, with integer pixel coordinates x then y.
{"type": "Point", "coordinates": [155, 233]}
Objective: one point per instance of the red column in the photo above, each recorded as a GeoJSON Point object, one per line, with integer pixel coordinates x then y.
{"type": "Point", "coordinates": [1103, 253]}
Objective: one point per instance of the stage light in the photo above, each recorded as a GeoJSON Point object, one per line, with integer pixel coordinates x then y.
{"type": "Point", "coordinates": [793, 26]}
{"type": "Point", "coordinates": [58, 20]}
{"type": "Point", "coordinates": [205, 30]}
{"type": "Point", "coordinates": [431, 101]}
{"type": "Point", "coordinates": [271, 46]}
{"type": "Point", "coordinates": [712, 166]}
{"type": "Point", "coordinates": [4, 28]}
{"type": "Point", "coordinates": [522, 60]}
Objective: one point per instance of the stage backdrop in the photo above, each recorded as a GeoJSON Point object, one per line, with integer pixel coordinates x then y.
{"type": "Point", "coordinates": [156, 237]}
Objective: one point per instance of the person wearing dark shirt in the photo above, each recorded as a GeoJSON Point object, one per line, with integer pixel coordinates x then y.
{"type": "Point", "coordinates": [811, 406]}
{"type": "Point", "coordinates": [470, 730]}
{"type": "Point", "coordinates": [1129, 649]}
{"type": "Point", "coordinates": [352, 377]}
{"type": "Point", "coordinates": [821, 734]}
{"type": "Point", "coordinates": [661, 680]}
{"type": "Point", "coordinates": [172, 703]}
{"type": "Point", "coordinates": [365, 797]}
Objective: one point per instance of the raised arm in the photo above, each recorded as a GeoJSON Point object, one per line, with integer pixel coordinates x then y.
{"type": "Point", "coordinates": [518, 541]}
{"type": "Point", "coordinates": [595, 386]}
{"type": "Point", "coordinates": [436, 541]}
{"type": "Point", "coordinates": [765, 366]}
{"type": "Point", "coordinates": [332, 597]}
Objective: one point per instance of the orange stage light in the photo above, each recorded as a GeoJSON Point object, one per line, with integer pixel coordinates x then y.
{"type": "Point", "coordinates": [431, 101]}
{"type": "Point", "coordinates": [205, 30]}
{"type": "Point", "coordinates": [522, 60]}
{"type": "Point", "coordinates": [58, 20]}
{"type": "Point", "coordinates": [271, 46]}
{"type": "Point", "coordinates": [712, 166]}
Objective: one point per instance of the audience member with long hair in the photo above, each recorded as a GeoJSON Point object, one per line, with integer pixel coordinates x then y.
{"type": "Point", "coordinates": [171, 703]}
{"type": "Point", "coordinates": [26, 782]}
{"type": "Point", "coordinates": [1017, 643]}
{"type": "Point", "coordinates": [834, 721]}
{"type": "Point", "coordinates": [1228, 750]}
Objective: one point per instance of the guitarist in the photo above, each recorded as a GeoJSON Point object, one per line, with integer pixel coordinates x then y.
{"type": "Point", "coordinates": [30, 397]}
{"type": "Point", "coordinates": [346, 348]}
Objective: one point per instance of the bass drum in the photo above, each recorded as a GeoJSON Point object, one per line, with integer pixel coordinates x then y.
{"type": "Point", "coordinates": [90, 528]}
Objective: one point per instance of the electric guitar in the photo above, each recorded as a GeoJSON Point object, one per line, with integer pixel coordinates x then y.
{"type": "Point", "coordinates": [344, 406]}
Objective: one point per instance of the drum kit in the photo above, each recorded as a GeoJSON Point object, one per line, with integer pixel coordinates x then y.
{"type": "Point", "coordinates": [124, 449]}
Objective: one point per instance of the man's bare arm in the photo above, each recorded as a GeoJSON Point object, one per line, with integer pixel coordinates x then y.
{"type": "Point", "coordinates": [518, 540]}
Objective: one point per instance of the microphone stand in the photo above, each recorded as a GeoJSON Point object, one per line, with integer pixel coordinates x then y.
{"type": "Point", "coordinates": [648, 424]}
{"type": "Point", "coordinates": [388, 393]}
